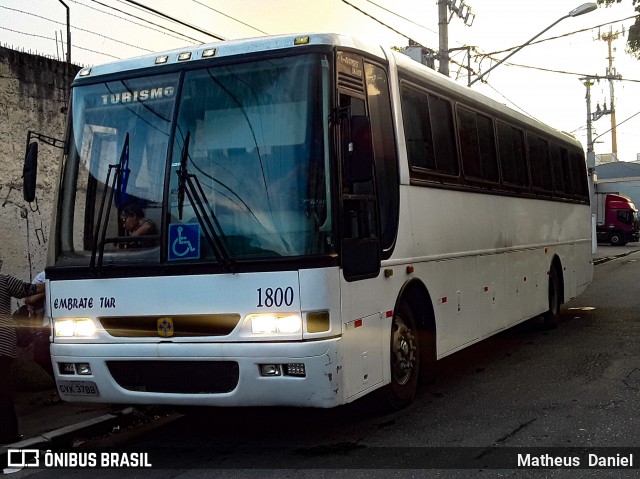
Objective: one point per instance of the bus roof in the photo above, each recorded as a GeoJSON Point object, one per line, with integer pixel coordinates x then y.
{"type": "Point", "coordinates": [229, 48]}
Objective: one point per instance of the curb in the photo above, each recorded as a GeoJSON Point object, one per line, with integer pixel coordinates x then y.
{"type": "Point", "coordinates": [598, 261]}
{"type": "Point", "coordinates": [69, 436]}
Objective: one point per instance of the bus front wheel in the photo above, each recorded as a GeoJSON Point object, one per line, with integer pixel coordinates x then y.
{"type": "Point", "coordinates": [405, 360]}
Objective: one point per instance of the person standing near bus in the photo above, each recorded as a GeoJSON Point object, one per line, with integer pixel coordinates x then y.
{"type": "Point", "coordinates": [41, 342]}
{"type": "Point", "coordinates": [16, 288]}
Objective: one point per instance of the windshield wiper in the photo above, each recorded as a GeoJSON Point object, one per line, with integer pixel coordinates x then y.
{"type": "Point", "coordinates": [190, 184]}
{"type": "Point", "coordinates": [101, 229]}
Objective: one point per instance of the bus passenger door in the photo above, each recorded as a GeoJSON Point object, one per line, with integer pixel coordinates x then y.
{"type": "Point", "coordinates": [360, 230]}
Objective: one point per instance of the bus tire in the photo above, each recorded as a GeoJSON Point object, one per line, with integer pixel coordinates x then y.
{"type": "Point", "coordinates": [405, 360]}
{"type": "Point", "coordinates": [551, 317]}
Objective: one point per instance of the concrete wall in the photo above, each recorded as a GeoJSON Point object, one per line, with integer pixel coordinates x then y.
{"type": "Point", "coordinates": [625, 186]}
{"type": "Point", "coordinates": [33, 96]}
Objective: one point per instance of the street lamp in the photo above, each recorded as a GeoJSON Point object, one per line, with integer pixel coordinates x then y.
{"type": "Point", "coordinates": [581, 10]}
{"type": "Point", "coordinates": [68, 32]}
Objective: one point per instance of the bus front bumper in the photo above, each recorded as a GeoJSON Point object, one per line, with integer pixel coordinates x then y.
{"type": "Point", "coordinates": [303, 374]}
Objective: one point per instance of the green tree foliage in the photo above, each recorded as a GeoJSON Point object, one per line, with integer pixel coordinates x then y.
{"type": "Point", "coordinates": [633, 38]}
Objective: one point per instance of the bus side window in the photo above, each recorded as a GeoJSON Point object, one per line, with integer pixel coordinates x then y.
{"type": "Point", "coordinates": [444, 141]}
{"type": "Point", "coordinates": [555, 157]}
{"type": "Point", "coordinates": [429, 132]}
{"type": "Point", "coordinates": [539, 163]}
{"type": "Point", "coordinates": [513, 162]}
{"type": "Point", "coordinates": [417, 129]}
{"type": "Point", "coordinates": [477, 145]}
{"type": "Point", "coordinates": [578, 175]}
{"type": "Point", "coordinates": [385, 157]}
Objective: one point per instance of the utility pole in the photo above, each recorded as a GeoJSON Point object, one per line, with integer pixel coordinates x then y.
{"type": "Point", "coordinates": [591, 156]}
{"type": "Point", "coordinates": [443, 31]}
{"type": "Point", "coordinates": [588, 82]}
{"type": "Point", "coordinates": [611, 76]}
{"type": "Point", "coordinates": [463, 11]}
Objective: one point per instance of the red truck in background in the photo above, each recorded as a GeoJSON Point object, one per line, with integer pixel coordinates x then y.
{"type": "Point", "coordinates": [616, 219]}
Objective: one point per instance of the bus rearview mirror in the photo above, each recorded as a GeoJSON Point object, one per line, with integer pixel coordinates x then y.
{"type": "Point", "coordinates": [30, 172]}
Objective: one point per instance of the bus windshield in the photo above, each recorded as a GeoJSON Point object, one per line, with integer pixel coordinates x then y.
{"type": "Point", "coordinates": [228, 163]}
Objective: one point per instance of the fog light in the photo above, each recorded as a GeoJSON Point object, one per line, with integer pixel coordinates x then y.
{"type": "Point", "coordinates": [66, 368]}
{"type": "Point", "coordinates": [83, 368]}
{"type": "Point", "coordinates": [296, 369]}
{"type": "Point", "coordinates": [270, 370]}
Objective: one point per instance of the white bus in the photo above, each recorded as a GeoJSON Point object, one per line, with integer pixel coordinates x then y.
{"type": "Point", "coordinates": [331, 219]}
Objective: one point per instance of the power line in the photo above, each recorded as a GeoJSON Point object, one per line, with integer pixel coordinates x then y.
{"type": "Point", "coordinates": [27, 34]}
{"type": "Point", "coordinates": [615, 127]}
{"type": "Point", "coordinates": [229, 16]}
{"type": "Point", "coordinates": [513, 103]}
{"type": "Point", "coordinates": [173, 19]}
{"type": "Point", "coordinates": [563, 35]}
{"type": "Point", "coordinates": [550, 70]}
{"type": "Point", "coordinates": [53, 39]}
{"type": "Point", "coordinates": [75, 28]}
{"type": "Point", "coordinates": [490, 55]}
{"type": "Point", "coordinates": [380, 22]}
{"type": "Point", "coordinates": [400, 16]}
{"type": "Point", "coordinates": [181, 36]}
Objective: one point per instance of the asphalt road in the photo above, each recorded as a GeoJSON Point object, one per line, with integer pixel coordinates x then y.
{"type": "Point", "coordinates": [563, 390]}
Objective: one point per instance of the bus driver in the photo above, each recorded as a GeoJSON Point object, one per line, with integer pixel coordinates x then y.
{"type": "Point", "coordinates": [135, 223]}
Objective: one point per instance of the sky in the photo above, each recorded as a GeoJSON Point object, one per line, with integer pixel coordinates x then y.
{"type": "Point", "coordinates": [542, 79]}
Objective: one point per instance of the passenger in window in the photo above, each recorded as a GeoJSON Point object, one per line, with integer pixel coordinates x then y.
{"type": "Point", "coordinates": [135, 224]}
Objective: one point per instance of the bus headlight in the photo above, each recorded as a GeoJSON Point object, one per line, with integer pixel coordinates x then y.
{"type": "Point", "coordinates": [78, 327]}
{"type": "Point", "coordinates": [275, 323]}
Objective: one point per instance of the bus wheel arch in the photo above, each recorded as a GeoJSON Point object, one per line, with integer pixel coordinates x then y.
{"type": "Point", "coordinates": [555, 293]}
{"type": "Point", "coordinates": [412, 344]}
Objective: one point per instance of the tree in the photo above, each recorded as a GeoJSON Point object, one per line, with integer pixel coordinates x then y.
{"type": "Point", "coordinates": [633, 40]}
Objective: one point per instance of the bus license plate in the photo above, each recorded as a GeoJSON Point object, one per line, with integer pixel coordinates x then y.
{"type": "Point", "coordinates": [78, 388]}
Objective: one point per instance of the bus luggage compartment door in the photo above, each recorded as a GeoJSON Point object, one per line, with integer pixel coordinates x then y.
{"type": "Point", "coordinates": [363, 355]}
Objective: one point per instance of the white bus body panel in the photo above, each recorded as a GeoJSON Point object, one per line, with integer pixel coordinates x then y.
{"type": "Point", "coordinates": [315, 290]}
{"type": "Point", "coordinates": [487, 272]}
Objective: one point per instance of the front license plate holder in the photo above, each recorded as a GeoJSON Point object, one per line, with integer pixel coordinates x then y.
{"type": "Point", "coordinates": [78, 388]}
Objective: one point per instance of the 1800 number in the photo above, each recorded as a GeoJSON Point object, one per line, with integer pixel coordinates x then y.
{"type": "Point", "coordinates": [277, 297]}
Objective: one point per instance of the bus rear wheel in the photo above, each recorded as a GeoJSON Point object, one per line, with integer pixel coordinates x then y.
{"type": "Point", "coordinates": [551, 317]}
{"type": "Point", "coordinates": [405, 360]}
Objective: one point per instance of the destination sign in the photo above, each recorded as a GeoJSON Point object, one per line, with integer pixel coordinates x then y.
{"type": "Point", "coordinates": [350, 65]}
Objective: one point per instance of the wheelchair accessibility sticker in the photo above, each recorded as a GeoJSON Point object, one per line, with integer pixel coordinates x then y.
{"type": "Point", "coordinates": [184, 241]}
